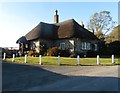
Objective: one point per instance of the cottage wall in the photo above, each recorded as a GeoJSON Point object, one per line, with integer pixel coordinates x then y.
{"type": "Point", "coordinates": [35, 45]}
{"type": "Point", "coordinates": [73, 44]}
{"type": "Point", "coordinates": [67, 43]}
{"type": "Point", "coordinates": [78, 45]}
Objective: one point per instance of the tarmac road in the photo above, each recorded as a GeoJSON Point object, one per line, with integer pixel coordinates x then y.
{"type": "Point", "coordinates": [84, 78]}
{"type": "Point", "coordinates": [19, 77]}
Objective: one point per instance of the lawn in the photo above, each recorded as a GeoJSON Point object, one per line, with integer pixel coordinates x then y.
{"type": "Point", "coordinates": [48, 60]}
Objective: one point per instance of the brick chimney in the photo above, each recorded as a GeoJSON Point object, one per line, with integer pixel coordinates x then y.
{"type": "Point", "coordinates": [56, 17]}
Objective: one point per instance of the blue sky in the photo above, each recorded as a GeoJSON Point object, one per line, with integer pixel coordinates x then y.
{"type": "Point", "coordinates": [18, 19]}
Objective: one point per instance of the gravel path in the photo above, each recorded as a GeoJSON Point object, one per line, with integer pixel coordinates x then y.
{"type": "Point", "coordinates": [84, 70]}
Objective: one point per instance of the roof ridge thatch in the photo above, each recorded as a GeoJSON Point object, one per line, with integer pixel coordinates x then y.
{"type": "Point", "coordinates": [66, 29]}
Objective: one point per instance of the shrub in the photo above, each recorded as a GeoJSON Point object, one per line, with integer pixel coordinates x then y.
{"type": "Point", "coordinates": [36, 54]}
{"type": "Point", "coordinates": [65, 53]}
{"type": "Point", "coordinates": [111, 48]}
{"type": "Point", "coordinates": [73, 55]}
{"type": "Point", "coordinates": [91, 53]}
{"type": "Point", "coordinates": [54, 51]}
{"type": "Point", "coordinates": [30, 53]}
{"type": "Point", "coordinates": [114, 47]}
{"type": "Point", "coordinates": [33, 53]}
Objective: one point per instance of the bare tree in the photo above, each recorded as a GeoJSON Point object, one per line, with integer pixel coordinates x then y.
{"type": "Point", "coordinates": [101, 23]}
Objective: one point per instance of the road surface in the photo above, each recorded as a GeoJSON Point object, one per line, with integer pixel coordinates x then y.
{"type": "Point", "coordinates": [19, 77]}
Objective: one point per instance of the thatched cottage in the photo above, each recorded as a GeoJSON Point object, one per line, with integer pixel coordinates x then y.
{"type": "Point", "coordinates": [65, 35]}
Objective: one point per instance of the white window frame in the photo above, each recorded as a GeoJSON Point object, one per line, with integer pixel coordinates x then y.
{"type": "Point", "coordinates": [62, 46]}
{"type": "Point", "coordinates": [85, 46]}
{"type": "Point", "coordinates": [96, 47]}
{"type": "Point", "coordinates": [88, 46]}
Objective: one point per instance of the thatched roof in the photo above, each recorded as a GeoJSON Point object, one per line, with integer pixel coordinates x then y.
{"type": "Point", "coordinates": [71, 29]}
{"type": "Point", "coordinates": [22, 40]}
{"type": "Point", "coordinates": [66, 29]}
{"type": "Point", "coordinates": [42, 30]}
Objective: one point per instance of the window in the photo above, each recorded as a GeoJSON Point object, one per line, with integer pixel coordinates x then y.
{"type": "Point", "coordinates": [95, 47]}
{"type": "Point", "coordinates": [62, 46]}
{"type": "Point", "coordinates": [26, 45]}
{"type": "Point", "coordinates": [85, 46]}
{"type": "Point", "coordinates": [88, 46]}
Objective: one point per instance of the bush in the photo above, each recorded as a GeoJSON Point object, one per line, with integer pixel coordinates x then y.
{"type": "Point", "coordinates": [54, 51]}
{"type": "Point", "coordinates": [33, 53]}
{"type": "Point", "coordinates": [30, 53]}
{"type": "Point", "coordinates": [36, 54]}
{"type": "Point", "coordinates": [65, 53]}
{"type": "Point", "coordinates": [91, 53]}
{"type": "Point", "coordinates": [73, 55]}
{"type": "Point", "coordinates": [111, 48]}
{"type": "Point", "coordinates": [114, 47]}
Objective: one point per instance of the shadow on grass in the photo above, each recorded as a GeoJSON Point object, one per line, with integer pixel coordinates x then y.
{"type": "Point", "coordinates": [18, 77]}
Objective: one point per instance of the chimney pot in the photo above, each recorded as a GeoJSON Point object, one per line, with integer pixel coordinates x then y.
{"type": "Point", "coordinates": [81, 23]}
{"type": "Point", "coordinates": [56, 17]}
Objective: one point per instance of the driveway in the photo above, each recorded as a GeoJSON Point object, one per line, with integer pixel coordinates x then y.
{"type": "Point", "coordinates": [18, 77]}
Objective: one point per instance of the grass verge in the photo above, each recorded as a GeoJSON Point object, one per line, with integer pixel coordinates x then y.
{"type": "Point", "coordinates": [48, 60]}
